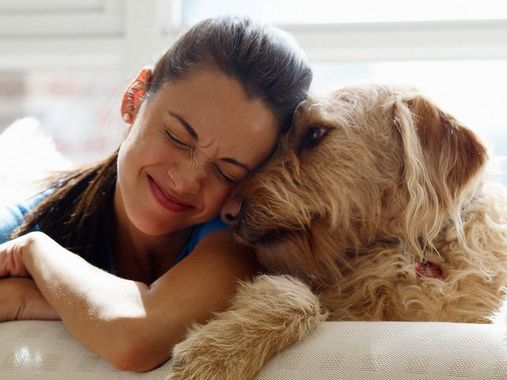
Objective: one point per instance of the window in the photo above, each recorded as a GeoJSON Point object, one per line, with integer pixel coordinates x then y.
{"type": "Point", "coordinates": [454, 51]}
{"type": "Point", "coordinates": [74, 104]}
{"type": "Point", "coordinates": [330, 11]}
{"type": "Point", "coordinates": [474, 91]}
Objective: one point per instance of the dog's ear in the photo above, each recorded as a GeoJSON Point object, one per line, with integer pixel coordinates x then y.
{"type": "Point", "coordinates": [453, 152]}
{"type": "Point", "coordinates": [441, 158]}
{"type": "Point", "coordinates": [437, 146]}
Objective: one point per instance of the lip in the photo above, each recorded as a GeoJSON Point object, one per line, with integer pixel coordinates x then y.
{"type": "Point", "coordinates": [165, 200]}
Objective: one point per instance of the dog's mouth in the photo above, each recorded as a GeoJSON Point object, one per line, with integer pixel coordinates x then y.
{"type": "Point", "coordinates": [258, 238]}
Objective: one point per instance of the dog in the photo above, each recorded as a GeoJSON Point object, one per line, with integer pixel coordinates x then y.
{"type": "Point", "coordinates": [375, 207]}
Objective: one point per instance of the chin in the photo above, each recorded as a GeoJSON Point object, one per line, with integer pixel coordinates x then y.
{"type": "Point", "coordinates": [153, 225]}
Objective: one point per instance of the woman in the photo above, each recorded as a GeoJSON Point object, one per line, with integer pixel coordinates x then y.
{"type": "Point", "coordinates": [130, 251]}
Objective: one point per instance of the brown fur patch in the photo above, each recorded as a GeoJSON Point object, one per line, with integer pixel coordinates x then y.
{"type": "Point", "coordinates": [442, 137]}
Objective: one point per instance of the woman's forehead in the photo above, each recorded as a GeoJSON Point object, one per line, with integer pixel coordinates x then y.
{"type": "Point", "coordinates": [216, 107]}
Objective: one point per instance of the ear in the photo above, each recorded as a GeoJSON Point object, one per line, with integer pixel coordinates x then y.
{"type": "Point", "coordinates": [452, 154]}
{"type": "Point", "coordinates": [441, 158]}
{"type": "Point", "coordinates": [134, 94]}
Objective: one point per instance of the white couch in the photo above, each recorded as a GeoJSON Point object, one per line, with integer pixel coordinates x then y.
{"type": "Point", "coordinates": [337, 350]}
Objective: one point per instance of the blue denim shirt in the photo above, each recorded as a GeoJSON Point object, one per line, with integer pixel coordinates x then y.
{"type": "Point", "coordinates": [13, 216]}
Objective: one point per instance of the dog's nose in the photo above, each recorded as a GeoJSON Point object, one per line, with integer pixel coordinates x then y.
{"type": "Point", "coordinates": [230, 211]}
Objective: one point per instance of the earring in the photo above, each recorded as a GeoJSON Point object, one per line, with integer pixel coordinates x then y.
{"type": "Point", "coordinates": [126, 117]}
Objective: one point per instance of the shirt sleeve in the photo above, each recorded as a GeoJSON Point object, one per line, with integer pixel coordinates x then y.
{"type": "Point", "coordinates": [199, 232]}
{"type": "Point", "coordinates": [13, 216]}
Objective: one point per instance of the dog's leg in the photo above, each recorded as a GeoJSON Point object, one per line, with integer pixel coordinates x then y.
{"type": "Point", "coordinates": [266, 316]}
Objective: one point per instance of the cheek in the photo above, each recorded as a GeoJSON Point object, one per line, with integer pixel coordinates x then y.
{"type": "Point", "coordinates": [130, 145]}
{"type": "Point", "coordinates": [128, 161]}
{"type": "Point", "coordinates": [139, 150]}
{"type": "Point", "coordinates": [122, 162]}
{"type": "Point", "coordinates": [215, 195]}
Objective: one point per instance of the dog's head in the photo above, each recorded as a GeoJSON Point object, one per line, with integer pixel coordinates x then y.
{"type": "Point", "coordinates": [363, 164]}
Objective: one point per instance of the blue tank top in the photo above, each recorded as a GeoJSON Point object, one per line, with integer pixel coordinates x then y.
{"type": "Point", "coordinates": [12, 217]}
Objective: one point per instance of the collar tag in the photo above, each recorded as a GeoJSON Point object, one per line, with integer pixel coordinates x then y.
{"type": "Point", "coordinates": [428, 269]}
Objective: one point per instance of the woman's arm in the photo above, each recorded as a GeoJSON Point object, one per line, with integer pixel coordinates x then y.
{"type": "Point", "coordinates": [129, 323]}
{"type": "Point", "coordinates": [20, 299]}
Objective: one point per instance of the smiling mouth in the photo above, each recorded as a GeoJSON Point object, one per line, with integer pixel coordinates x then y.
{"type": "Point", "coordinates": [166, 200]}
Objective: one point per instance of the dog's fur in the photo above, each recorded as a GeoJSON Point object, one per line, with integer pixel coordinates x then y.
{"type": "Point", "coordinates": [371, 182]}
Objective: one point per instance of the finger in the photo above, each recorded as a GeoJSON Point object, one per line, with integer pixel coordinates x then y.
{"type": "Point", "coordinates": [11, 259]}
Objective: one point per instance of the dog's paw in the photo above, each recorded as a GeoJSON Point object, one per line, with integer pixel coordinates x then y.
{"type": "Point", "coordinates": [199, 358]}
{"type": "Point", "coordinates": [265, 317]}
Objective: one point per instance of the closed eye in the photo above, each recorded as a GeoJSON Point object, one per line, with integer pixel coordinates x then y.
{"type": "Point", "coordinates": [223, 176]}
{"type": "Point", "coordinates": [220, 174]}
{"type": "Point", "coordinates": [175, 140]}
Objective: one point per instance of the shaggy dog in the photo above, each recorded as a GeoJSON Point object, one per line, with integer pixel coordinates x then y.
{"type": "Point", "coordinates": [376, 202]}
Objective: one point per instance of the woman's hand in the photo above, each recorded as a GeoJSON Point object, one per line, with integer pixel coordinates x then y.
{"type": "Point", "coordinates": [20, 299]}
{"type": "Point", "coordinates": [11, 256]}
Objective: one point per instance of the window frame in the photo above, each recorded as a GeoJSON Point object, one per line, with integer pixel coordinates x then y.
{"type": "Point", "coordinates": [138, 39]}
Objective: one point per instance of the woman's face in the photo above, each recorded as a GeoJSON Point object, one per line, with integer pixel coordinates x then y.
{"type": "Point", "coordinates": [189, 145]}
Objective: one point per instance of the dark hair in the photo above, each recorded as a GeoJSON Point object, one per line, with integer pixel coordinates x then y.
{"type": "Point", "coordinates": [264, 60]}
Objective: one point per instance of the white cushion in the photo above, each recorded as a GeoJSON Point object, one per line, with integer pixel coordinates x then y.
{"type": "Point", "coordinates": [394, 350]}
{"type": "Point", "coordinates": [337, 350]}
{"type": "Point", "coordinates": [45, 350]}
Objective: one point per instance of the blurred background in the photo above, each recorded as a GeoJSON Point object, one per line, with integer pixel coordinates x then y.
{"type": "Point", "coordinates": [66, 63]}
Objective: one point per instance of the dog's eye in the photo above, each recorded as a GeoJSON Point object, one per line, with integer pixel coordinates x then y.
{"type": "Point", "coordinates": [313, 136]}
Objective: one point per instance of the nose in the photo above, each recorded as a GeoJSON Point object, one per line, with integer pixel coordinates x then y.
{"type": "Point", "coordinates": [187, 180]}
{"type": "Point", "coordinates": [230, 210]}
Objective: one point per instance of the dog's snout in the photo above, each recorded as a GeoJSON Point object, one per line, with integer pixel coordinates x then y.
{"type": "Point", "coordinates": [231, 210]}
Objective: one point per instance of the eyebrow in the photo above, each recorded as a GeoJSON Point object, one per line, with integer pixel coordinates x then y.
{"type": "Point", "coordinates": [195, 136]}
